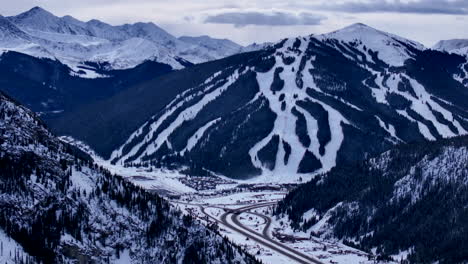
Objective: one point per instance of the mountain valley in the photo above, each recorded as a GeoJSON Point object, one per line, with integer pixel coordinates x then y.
{"type": "Point", "coordinates": [126, 144]}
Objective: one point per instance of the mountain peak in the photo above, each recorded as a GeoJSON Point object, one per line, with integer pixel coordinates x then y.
{"type": "Point", "coordinates": [72, 20]}
{"type": "Point", "coordinates": [357, 28]}
{"type": "Point", "coordinates": [392, 49]}
{"type": "Point", "coordinates": [359, 25]}
{"type": "Point", "coordinates": [40, 20]}
{"type": "Point", "coordinates": [358, 31]}
{"type": "Point", "coordinates": [36, 11]}
{"type": "Point", "coordinates": [34, 17]}
{"type": "Point", "coordinates": [146, 25]}
{"type": "Point", "coordinates": [95, 22]}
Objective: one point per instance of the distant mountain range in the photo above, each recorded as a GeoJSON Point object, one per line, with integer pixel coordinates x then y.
{"type": "Point", "coordinates": [39, 33]}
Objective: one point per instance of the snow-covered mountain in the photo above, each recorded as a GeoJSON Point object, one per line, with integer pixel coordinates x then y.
{"type": "Point", "coordinates": [409, 202]}
{"type": "Point", "coordinates": [459, 46]}
{"type": "Point", "coordinates": [11, 34]}
{"type": "Point", "coordinates": [456, 46]}
{"type": "Point", "coordinates": [13, 38]}
{"type": "Point", "coordinates": [391, 49]}
{"type": "Point", "coordinates": [292, 109]}
{"type": "Point", "coordinates": [38, 20]}
{"type": "Point", "coordinates": [57, 206]}
{"type": "Point", "coordinates": [38, 32]}
{"type": "Point", "coordinates": [208, 48]}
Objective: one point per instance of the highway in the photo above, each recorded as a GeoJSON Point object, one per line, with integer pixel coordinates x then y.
{"type": "Point", "coordinates": [267, 220]}
{"type": "Point", "coordinates": [230, 219]}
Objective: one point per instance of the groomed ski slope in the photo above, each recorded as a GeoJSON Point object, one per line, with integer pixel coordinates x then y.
{"type": "Point", "coordinates": [389, 49]}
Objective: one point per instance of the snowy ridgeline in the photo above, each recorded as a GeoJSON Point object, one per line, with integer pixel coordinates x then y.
{"type": "Point", "coordinates": [57, 206]}
{"type": "Point", "coordinates": [313, 114]}
{"type": "Point", "coordinates": [459, 46]}
{"type": "Point", "coordinates": [39, 33]}
{"type": "Point", "coordinates": [389, 204]}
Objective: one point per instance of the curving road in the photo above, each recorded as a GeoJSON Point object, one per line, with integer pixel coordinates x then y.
{"type": "Point", "coordinates": [264, 238]}
{"type": "Point", "coordinates": [267, 220]}
{"type": "Point", "coordinates": [230, 220]}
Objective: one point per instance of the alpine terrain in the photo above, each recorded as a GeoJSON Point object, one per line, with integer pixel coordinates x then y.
{"type": "Point", "coordinates": [126, 144]}
{"type": "Point", "coordinates": [294, 108]}
{"type": "Point", "coordinates": [57, 206]}
{"type": "Point", "coordinates": [75, 43]}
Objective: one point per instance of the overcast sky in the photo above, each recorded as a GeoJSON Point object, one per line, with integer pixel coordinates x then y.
{"type": "Point", "coordinates": [247, 21]}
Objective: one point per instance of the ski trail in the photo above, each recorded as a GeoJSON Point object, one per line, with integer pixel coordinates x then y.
{"type": "Point", "coordinates": [285, 123]}
{"type": "Point", "coordinates": [195, 138]}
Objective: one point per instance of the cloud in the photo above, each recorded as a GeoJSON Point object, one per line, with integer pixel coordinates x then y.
{"type": "Point", "coordinates": [449, 7]}
{"type": "Point", "coordinates": [241, 19]}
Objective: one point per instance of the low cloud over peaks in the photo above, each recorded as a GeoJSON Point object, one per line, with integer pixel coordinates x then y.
{"type": "Point", "coordinates": [450, 7]}
{"type": "Point", "coordinates": [241, 19]}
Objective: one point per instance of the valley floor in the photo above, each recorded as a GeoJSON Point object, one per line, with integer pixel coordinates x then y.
{"type": "Point", "coordinates": [243, 213]}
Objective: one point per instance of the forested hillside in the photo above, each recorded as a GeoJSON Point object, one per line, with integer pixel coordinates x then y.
{"type": "Point", "coordinates": [62, 208]}
{"type": "Point", "coordinates": [52, 89]}
{"type": "Point", "coordinates": [411, 199]}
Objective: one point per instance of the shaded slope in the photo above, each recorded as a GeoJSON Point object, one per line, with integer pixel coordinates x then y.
{"type": "Point", "coordinates": [411, 198]}
{"type": "Point", "coordinates": [61, 207]}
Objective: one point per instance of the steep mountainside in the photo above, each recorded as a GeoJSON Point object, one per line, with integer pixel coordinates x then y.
{"type": "Point", "coordinates": [39, 33]}
{"type": "Point", "coordinates": [57, 206]}
{"type": "Point", "coordinates": [411, 199]}
{"type": "Point", "coordinates": [50, 88]}
{"type": "Point", "coordinates": [11, 34]}
{"type": "Point", "coordinates": [297, 107]}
